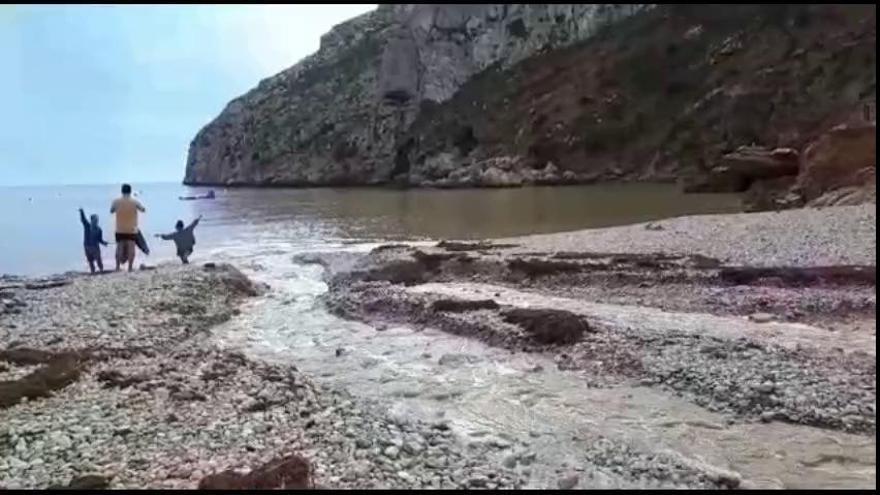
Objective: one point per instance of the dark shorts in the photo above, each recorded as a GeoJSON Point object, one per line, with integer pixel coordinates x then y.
{"type": "Point", "coordinates": [126, 237]}
{"type": "Point", "coordinates": [184, 252]}
{"type": "Point", "coordinates": [93, 253]}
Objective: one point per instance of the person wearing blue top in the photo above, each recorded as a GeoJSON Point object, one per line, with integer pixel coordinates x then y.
{"type": "Point", "coordinates": [93, 238]}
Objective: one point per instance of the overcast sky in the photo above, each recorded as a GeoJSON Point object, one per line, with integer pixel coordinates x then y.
{"type": "Point", "coordinates": [105, 94]}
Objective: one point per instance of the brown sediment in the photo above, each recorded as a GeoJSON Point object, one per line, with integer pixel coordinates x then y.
{"type": "Point", "coordinates": [472, 246]}
{"type": "Point", "coordinates": [88, 482]}
{"type": "Point", "coordinates": [46, 284]}
{"type": "Point", "coordinates": [385, 247]}
{"type": "Point", "coordinates": [548, 326]}
{"type": "Point", "coordinates": [113, 378]}
{"type": "Point", "coordinates": [25, 356]}
{"type": "Point", "coordinates": [459, 305]}
{"type": "Point", "coordinates": [679, 282]}
{"type": "Point", "coordinates": [800, 276]}
{"type": "Point", "coordinates": [538, 267]}
{"type": "Point", "coordinates": [57, 372]}
{"type": "Point", "coordinates": [289, 472]}
{"type": "Point", "coordinates": [717, 371]}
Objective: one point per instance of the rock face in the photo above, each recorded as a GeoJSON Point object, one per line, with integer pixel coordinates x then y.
{"type": "Point", "coordinates": [335, 118]}
{"type": "Point", "coordinates": [504, 95]}
{"type": "Point", "coordinates": [666, 94]}
{"type": "Point", "coordinates": [748, 164]}
{"type": "Point", "coordinates": [845, 157]}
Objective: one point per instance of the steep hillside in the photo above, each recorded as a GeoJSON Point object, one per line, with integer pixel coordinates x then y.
{"type": "Point", "coordinates": [504, 94]}
{"type": "Point", "coordinates": [663, 95]}
{"type": "Point", "coordinates": [335, 117]}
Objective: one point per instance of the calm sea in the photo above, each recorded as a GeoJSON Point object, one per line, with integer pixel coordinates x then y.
{"type": "Point", "coordinates": [40, 232]}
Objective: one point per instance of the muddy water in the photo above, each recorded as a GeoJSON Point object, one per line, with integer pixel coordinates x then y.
{"type": "Point", "coordinates": [493, 396]}
{"type": "Point", "coordinates": [48, 234]}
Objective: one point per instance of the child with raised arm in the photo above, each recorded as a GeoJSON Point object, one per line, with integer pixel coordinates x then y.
{"type": "Point", "coordinates": [184, 239]}
{"type": "Point", "coordinates": [93, 238]}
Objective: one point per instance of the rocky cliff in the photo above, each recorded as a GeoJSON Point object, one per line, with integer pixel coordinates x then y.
{"type": "Point", "coordinates": [719, 97]}
{"type": "Point", "coordinates": [335, 118]}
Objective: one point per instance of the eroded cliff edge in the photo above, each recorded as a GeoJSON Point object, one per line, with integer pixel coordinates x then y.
{"type": "Point", "coordinates": [336, 117]}
{"type": "Point", "coordinates": [717, 97]}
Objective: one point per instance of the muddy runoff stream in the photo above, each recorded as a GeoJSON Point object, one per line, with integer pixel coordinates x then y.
{"type": "Point", "coordinates": [545, 421]}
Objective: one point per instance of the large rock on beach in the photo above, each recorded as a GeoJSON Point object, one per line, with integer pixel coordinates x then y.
{"type": "Point", "coordinates": [844, 157]}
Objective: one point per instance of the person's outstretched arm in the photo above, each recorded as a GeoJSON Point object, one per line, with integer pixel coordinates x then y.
{"type": "Point", "coordinates": [194, 223]}
{"type": "Point", "coordinates": [140, 206]}
{"type": "Point", "coordinates": [101, 237]}
{"type": "Point", "coordinates": [82, 218]}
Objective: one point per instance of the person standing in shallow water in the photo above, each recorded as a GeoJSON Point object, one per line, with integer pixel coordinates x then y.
{"type": "Point", "coordinates": [93, 238]}
{"type": "Point", "coordinates": [184, 239]}
{"type": "Point", "coordinates": [126, 209]}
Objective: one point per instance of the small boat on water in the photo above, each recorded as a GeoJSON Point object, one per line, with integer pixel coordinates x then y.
{"type": "Point", "coordinates": [209, 195]}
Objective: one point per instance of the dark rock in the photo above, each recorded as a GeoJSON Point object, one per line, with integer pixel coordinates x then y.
{"type": "Point", "coordinates": [290, 472]}
{"type": "Point", "coordinates": [836, 159]}
{"type": "Point", "coordinates": [539, 267]}
{"type": "Point", "coordinates": [801, 276]}
{"type": "Point", "coordinates": [188, 395]}
{"type": "Point", "coordinates": [47, 284]}
{"type": "Point", "coordinates": [88, 482]}
{"type": "Point", "coordinates": [472, 246]}
{"type": "Point", "coordinates": [25, 356]}
{"type": "Point", "coordinates": [568, 481]}
{"type": "Point", "coordinates": [121, 432]}
{"type": "Point", "coordinates": [61, 370]}
{"type": "Point", "coordinates": [703, 262]}
{"type": "Point", "coordinates": [388, 247]}
{"type": "Point", "coordinates": [404, 272]}
{"type": "Point", "coordinates": [113, 378]}
{"type": "Point", "coordinates": [461, 305]}
{"type": "Point", "coordinates": [548, 326]}
{"type": "Point", "coordinates": [754, 163]}
{"type": "Point", "coordinates": [433, 261]}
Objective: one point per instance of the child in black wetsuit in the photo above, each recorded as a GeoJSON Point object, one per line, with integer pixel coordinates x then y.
{"type": "Point", "coordinates": [93, 238]}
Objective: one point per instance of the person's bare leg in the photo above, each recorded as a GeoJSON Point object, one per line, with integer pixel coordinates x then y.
{"type": "Point", "coordinates": [91, 265]}
{"type": "Point", "coordinates": [132, 250]}
{"type": "Point", "coordinates": [100, 263]}
{"type": "Point", "coordinates": [120, 254]}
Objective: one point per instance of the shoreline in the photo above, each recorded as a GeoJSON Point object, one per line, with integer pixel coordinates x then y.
{"type": "Point", "coordinates": [150, 401]}
{"type": "Point", "coordinates": [147, 399]}
{"type": "Point", "coordinates": [609, 303]}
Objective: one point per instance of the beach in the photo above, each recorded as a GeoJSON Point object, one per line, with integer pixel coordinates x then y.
{"type": "Point", "coordinates": [754, 329]}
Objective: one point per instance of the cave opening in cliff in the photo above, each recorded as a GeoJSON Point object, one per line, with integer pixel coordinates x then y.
{"type": "Point", "coordinates": [465, 141]}
{"type": "Point", "coordinates": [401, 160]}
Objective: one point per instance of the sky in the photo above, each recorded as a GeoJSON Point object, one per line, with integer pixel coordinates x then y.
{"type": "Point", "coordinates": [108, 94]}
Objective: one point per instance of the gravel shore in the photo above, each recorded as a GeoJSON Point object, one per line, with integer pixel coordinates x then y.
{"type": "Point", "coordinates": [664, 287]}
{"type": "Point", "coordinates": [152, 405]}
{"type": "Point", "coordinates": [114, 380]}
{"type": "Point", "coordinates": [841, 235]}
